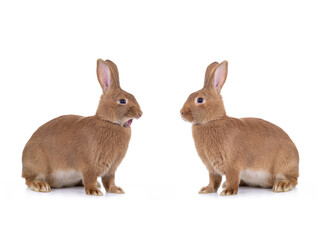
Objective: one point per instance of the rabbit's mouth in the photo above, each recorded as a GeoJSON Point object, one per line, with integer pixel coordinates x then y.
{"type": "Point", "coordinates": [128, 123]}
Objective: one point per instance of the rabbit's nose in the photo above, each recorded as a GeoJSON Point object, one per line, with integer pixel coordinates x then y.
{"type": "Point", "coordinates": [139, 114]}
{"type": "Point", "coordinates": [182, 112]}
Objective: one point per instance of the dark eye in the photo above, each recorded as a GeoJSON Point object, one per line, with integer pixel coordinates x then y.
{"type": "Point", "coordinates": [122, 101]}
{"type": "Point", "coordinates": [200, 100]}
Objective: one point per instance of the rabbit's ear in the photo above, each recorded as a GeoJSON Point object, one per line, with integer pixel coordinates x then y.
{"type": "Point", "coordinates": [220, 75]}
{"type": "Point", "coordinates": [103, 75]}
{"type": "Point", "coordinates": [114, 72]}
{"type": "Point", "coordinates": [209, 74]}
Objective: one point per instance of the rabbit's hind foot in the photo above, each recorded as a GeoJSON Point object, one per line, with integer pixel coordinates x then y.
{"type": "Point", "coordinates": [284, 185]}
{"type": "Point", "coordinates": [38, 186]}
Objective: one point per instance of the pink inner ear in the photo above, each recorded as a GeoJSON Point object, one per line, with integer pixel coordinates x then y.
{"type": "Point", "coordinates": [104, 76]}
{"type": "Point", "coordinates": [220, 76]}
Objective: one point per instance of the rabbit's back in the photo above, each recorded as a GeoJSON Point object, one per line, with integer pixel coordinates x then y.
{"type": "Point", "coordinates": [247, 143]}
{"type": "Point", "coordinates": [74, 144]}
{"type": "Point", "coordinates": [265, 141]}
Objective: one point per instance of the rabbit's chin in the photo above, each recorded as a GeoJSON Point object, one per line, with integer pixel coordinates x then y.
{"type": "Point", "coordinates": [128, 123]}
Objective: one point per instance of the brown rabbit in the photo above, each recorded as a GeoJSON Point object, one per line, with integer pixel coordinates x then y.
{"type": "Point", "coordinates": [249, 151]}
{"type": "Point", "coordinates": [74, 150]}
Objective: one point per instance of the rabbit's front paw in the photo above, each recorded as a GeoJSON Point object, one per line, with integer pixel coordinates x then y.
{"type": "Point", "coordinates": [228, 192]}
{"type": "Point", "coordinates": [95, 192]}
{"type": "Point", "coordinates": [207, 189]}
{"type": "Point", "coordinates": [115, 189]}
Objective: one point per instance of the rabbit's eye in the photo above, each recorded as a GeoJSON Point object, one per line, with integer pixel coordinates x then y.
{"type": "Point", "coordinates": [122, 101]}
{"type": "Point", "coordinates": [200, 100]}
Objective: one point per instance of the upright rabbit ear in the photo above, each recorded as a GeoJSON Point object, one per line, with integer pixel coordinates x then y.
{"type": "Point", "coordinates": [220, 75]}
{"type": "Point", "coordinates": [114, 72]}
{"type": "Point", "coordinates": [103, 75]}
{"type": "Point", "coordinates": [209, 74]}
{"type": "Point", "coordinates": [107, 74]}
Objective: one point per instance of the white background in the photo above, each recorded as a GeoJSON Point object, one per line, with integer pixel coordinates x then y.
{"type": "Point", "coordinates": [48, 56]}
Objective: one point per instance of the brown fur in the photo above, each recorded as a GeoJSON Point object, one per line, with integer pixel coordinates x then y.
{"type": "Point", "coordinates": [87, 147]}
{"type": "Point", "coordinates": [249, 151]}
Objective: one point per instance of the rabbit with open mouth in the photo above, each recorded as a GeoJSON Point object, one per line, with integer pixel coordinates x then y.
{"type": "Point", "coordinates": [73, 150]}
